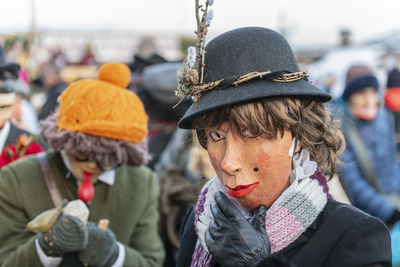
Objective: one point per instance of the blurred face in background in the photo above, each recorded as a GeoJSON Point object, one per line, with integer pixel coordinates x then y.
{"type": "Point", "coordinates": [364, 104]}
{"type": "Point", "coordinates": [7, 96]}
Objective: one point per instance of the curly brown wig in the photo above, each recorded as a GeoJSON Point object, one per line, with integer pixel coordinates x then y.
{"type": "Point", "coordinates": [105, 151]}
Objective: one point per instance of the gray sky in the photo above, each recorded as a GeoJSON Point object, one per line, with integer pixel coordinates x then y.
{"type": "Point", "coordinates": [307, 21]}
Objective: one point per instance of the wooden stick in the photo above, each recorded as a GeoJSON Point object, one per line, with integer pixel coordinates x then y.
{"type": "Point", "coordinates": [103, 224]}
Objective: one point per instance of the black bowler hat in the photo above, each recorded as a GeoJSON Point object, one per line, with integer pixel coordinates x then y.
{"type": "Point", "coordinates": [242, 51]}
{"type": "Point", "coordinates": [13, 68]}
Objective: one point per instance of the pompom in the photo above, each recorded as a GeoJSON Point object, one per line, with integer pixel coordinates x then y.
{"type": "Point", "coordinates": [115, 73]}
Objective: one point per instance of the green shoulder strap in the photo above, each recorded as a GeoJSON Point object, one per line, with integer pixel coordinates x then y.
{"type": "Point", "coordinates": [49, 179]}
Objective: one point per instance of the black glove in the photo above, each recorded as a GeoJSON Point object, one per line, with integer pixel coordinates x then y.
{"type": "Point", "coordinates": [68, 234]}
{"type": "Point", "coordinates": [102, 248]}
{"type": "Point", "coordinates": [232, 240]}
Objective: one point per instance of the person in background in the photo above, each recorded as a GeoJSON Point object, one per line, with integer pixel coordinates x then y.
{"type": "Point", "coordinates": [54, 86]}
{"type": "Point", "coordinates": [392, 101]}
{"type": "Point", "coordinates": [179, 182]}
{"type": "Point", "coordinates": [157, 92]}
{"type": "Point", "coordinates": [183, 169]}
{"type": "Point", "coordinates": [14, 141]}
{"type": "Point", "coordinates": [370, 171]}
{"type": "Point", "coordinates": [24, 114]}
{"type": "Point", "coordinates": [98, 150]}
{"type": "Point", "coordinates": [145, 55]}
{"type": "Point", "coordinates": [271, 141]}
{"type": "Point", "coordinates": [88, 57]}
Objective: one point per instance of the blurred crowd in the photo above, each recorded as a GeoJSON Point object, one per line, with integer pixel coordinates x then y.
{"type": "Point", "coordinates": [368, 109]}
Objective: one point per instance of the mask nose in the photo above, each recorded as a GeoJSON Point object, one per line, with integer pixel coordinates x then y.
{"type": "Point", "coordinates": [231, 163]}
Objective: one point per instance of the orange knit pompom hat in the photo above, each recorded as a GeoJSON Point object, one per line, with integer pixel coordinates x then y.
{"type": "Point", "coordinates": [104, 107]}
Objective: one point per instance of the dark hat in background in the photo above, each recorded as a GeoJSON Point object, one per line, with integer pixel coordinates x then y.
{"type": "Point", "coordinates": [157, 91]}
{"type": "Point", "coordinates": [13, 68]}
{"type": "Point", "coordinates": [242, 51]}
{"type": "Point", "coordinates": [7, 82]}
{"type": "Point", "coordinates": [393, 80]}
{"type": "Point", "coordinates": [358, 78]}
{"type": "Point", "coordinates": [138, 63]}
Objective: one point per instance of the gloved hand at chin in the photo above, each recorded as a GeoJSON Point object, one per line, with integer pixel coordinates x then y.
{"type": "Point", "coordinates": [232, 240]}
{"type": "Point", "coordinates": [102, 248]}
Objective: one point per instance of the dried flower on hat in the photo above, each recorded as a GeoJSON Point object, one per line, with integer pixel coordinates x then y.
{"type": "Point", "coordinates": [192, 70]}
{"type": "Point", "coordinates": [191, 56]}
{"type": "Point", "coordinates": [209, 17]}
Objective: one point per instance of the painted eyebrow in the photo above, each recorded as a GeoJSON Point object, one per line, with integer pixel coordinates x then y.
{"type": "Point", "coordinates": [218, 128]}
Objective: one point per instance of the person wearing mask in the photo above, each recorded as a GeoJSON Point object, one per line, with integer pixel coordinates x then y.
{"type": "Point", "coordinates": [272, 143]}
{"type": "Point", "coordinates": [98, 150]}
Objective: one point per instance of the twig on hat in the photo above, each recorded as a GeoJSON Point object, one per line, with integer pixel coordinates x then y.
{"type": "Point", "coordinates": [191, 73]}
{"type": "Point", "coordinates": [278, 76]}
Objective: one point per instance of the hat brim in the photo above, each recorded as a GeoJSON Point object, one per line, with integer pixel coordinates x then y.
{"type": "Point", "coordinates": [250, 91]}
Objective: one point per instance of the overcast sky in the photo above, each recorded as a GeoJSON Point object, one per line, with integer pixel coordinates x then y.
{"type": "Point", "coordinates": [306, 21]}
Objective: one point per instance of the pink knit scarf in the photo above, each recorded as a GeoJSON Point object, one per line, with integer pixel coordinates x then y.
{"type": "Point", "coordinates": [287, 218]}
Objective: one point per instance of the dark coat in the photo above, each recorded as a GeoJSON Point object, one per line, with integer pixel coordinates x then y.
{"type": "Point", "coordinates": [13, 135]}
{"type": "Point", "coordinates": [51, 104]}
{"type": "Point", "coordinates": [341, 236]}
{"type": "Point", "coordinates": [16, 132]}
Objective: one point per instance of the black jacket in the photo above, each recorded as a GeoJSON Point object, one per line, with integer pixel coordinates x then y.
{"type": "Point", "coordinates": [13, 135]}
{"type": "Point", "coordinates": [341, 236]}
{"type": "Point", "coordinates": [16, 132]}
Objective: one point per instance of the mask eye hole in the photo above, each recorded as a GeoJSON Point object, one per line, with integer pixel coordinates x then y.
{"type": "Point", "coordinates": [216, 136]}
{"type": "Point", "coordinates": [81, 158]}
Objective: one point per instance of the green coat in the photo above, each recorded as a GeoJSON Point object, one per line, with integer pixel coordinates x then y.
{"type": "Point", "coordinates": [130, 205]}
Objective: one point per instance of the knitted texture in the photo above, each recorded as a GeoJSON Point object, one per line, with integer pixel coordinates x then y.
{"type": "Point", "coordinates": [359, 77]}
{"type": "Point", "coordinates": [288, 217]}
{"type": "Point", "coordinates": [102, 248]}
{"type": "Point", "coordinates": [69, 234]}
{"type": "Point", "coordinates": [104, 107]}
{"type": "Point", "coordinates": [357, 71]}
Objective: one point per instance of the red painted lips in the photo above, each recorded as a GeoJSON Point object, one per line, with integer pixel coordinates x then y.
{"type": "Point", "coordinates": [241, 190]}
